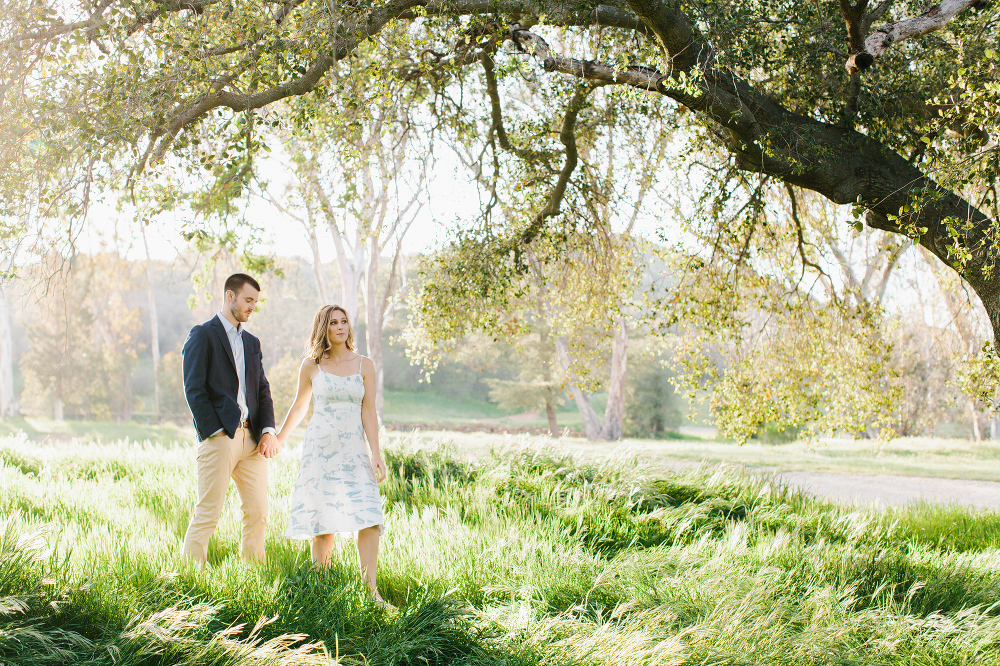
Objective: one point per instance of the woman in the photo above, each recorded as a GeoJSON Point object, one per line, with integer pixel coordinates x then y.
{"type": "Point", "coordinates": [337, 487]}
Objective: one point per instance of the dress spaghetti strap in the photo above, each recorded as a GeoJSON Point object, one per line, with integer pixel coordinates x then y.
{"type": "Point", "coordinates": [361, 360]}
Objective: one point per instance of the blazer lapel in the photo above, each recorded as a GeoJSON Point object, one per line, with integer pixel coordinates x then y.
{"type": "Point", "coordinates": [220, 331]}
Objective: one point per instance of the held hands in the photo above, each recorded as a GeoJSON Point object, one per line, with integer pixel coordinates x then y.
{"type": "Point", "coordinates": [269, 445]}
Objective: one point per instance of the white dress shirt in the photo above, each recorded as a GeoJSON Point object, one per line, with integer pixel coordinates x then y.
{"type": "Point", "coordinates": [235, 335]}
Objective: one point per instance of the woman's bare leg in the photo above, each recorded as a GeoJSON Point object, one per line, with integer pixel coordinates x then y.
{"type": "Point", "coordinates": [368, 557]}
{"type": "Point", "coordinates": [321, 547]}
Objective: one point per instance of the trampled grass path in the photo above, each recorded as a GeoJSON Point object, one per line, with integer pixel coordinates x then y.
{"type": "Point", "coordinates": [883, 490]}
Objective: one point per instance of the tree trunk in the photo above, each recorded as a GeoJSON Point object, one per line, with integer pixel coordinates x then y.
{"type": "Point", "coordinates": [8, 405]}
{"type": "Point", "coordinates": [352, 266]}
{"type": "Point", "coordinates": [322, 289]}
{"type": "Point", "coordinates": [57, 410]}
{"type": "Point", "coordinates": [976, 434]}
{"type": "Point", "coordinates": [550, 414]}
{"type": "Point", "coordinates": [373, 320]}
{"type": "Point", "coordinates": [591, 425]}
{"type": "Point", "coordinates": [351, 278]}
{"type": "Point", "coordinates": [352, 273]}
{"type": "Point", "coordinates": [614, 414]}
{"type": "Point", "coordinates": [550, 403]}
{"type": "Point", "coordinates": [154, 325]}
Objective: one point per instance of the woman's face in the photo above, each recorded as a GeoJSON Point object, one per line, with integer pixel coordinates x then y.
{"type": "Point", "coordinates": [339, 328]}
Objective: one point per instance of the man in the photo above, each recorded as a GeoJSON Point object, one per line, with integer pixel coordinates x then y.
{"type": "Point", "coordinates": [230, 401]}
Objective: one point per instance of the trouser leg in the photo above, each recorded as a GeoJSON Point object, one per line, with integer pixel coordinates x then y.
{"type": "Point", "coordinates": [215, 465]}
{"type": "Point", "coordinates": [250, 475]}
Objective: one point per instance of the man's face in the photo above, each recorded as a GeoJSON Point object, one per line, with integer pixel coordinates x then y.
{"type": "Point", "coordinates": [242, 304]}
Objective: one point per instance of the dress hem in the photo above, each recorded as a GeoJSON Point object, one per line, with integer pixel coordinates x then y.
{"type": "Point", "coordinates": [305, 536]}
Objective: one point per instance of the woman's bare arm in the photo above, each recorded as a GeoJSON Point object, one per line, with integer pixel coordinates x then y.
{"type": "Point", "coordinates": [369, 418]}
{"type": "Point", "coordinates": [301, 403]}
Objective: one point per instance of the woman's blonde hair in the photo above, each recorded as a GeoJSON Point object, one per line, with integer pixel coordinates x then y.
{"type": "Point", "coordinates": [320, 342]}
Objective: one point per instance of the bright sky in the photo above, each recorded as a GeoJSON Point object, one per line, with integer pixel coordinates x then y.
{"type": "Point", "coordinates": [451, 199]}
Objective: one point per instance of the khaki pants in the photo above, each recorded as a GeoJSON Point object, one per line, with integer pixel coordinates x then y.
{"type": "Point", "coordinates": [220, 458]}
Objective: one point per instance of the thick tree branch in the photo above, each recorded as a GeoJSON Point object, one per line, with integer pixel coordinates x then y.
{"type": "Point", "coordinates": [567, 137]}
{"type": "Point", "coordinates": [167, 6]}
{"type": "Point", "coordinates": [561, 13]}
{"type": "Point", "coordinates": [857, 59]}
{"type": "Point", "coordinates": [352, 33]}
{"type": "Point", "coordinates": [496, 112]}
{"type": "Point", "coordinates": [933, 19]}
{"type": "Point", "coordinates": [841, 164]}
{"type": "Point", "coordinates": [644, 78]}
{"type": "Point", "coordinates": [673, 30]}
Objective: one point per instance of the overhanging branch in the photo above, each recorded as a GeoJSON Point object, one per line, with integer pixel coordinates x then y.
{"type": "Point", "coordinates": [644, 78]}
{"type": "Point", "coordinates": [885, 36]}
{"type": "Point", "coordinates": [567, 136]}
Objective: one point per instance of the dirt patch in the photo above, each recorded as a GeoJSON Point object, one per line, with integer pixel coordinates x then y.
{"type": "Point", "coordinates": [884, 490]}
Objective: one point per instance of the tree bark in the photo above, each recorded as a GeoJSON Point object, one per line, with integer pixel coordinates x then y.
{"type": "Point", "coordinates": [550, 415]}
{"type": "Point", "coordinates": [8, 403]}
{"type": "Point", "coordinates": [592, 426]}
{"type": "Point", "coordinates": [350, 260]}
{"type": "Point", "coordinates": [322, 289]}
{"type": "Point", "coordinates": [614, 414]}
{"type": "Point", "coordinates": [373, 321]}
{"type": "Point", "coordinates": [935, 18]}
{"type": "Point", "coordinates": [546, 361]}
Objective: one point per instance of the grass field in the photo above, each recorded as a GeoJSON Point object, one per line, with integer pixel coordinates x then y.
{"type": "Point", "coordinates": [527, 556]}
{"type": "Point", "coordinates": [931, 457]}
{"type": "Point", "coordinates": [431, 408]}
{"type": "Point", "coordinates": [44, 429]}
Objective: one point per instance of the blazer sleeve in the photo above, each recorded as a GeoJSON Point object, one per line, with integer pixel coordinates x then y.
{"type": "Point", "coordinates": [196, 357]}
{"type": "Point", "coordinates": [265, 407]}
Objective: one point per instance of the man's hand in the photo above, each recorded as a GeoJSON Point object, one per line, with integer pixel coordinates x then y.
{"type": "Point", "coordinates": [269, 445]}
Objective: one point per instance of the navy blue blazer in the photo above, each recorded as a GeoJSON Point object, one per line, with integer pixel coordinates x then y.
{"type": "Point", "coordinates": [211, 383]}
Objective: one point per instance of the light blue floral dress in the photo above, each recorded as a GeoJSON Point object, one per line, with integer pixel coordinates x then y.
{"type": "Point", "coordinates": [336, 491]}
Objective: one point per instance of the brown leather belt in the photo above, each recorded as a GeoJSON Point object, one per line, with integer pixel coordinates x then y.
{"type": "Point", "coordinates": [244, 424]}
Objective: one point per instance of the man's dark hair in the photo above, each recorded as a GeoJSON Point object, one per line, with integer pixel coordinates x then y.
{"type": "Point", "coordinates": [236, 281]}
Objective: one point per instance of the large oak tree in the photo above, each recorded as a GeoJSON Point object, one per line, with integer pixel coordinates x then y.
{"type": "Point", "coordinates": [892, 107]}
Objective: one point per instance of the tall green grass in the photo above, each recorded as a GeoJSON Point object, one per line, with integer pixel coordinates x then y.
{"type": "Point", "coordinates": [525, 557]}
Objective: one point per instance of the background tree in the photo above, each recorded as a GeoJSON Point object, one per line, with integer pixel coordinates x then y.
{"type": "Point", "coordinates": [154, 322]}
{"type": "Point", "coordinates": [534, 388]}
{"type": "Point", "coordinates": [652, 407]}
{"type": "Point", "coordinates": [58, 367]}
{"type": "Point", "coordinates": [360, 161]}
{"type": "Point", "coordinates": [116, 326]}
{"type": "Point", "coordinates": [8, 402]}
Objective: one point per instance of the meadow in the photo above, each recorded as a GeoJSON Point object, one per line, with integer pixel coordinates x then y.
{"type": "Point", "coordinates": [520, 555]}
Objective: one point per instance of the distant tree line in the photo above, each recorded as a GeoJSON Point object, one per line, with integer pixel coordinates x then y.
{"type": "Point", "coordinates": [81, 347]}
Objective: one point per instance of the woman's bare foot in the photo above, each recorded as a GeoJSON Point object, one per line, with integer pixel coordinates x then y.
{"type": "Point", "coordinates": [382, 604]}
